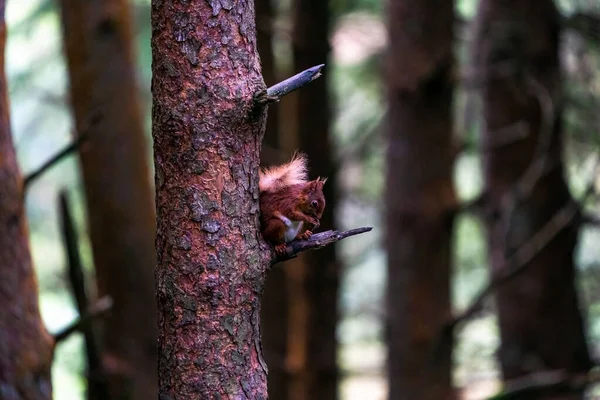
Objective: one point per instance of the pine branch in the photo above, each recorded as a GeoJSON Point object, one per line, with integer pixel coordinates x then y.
{"type": "Point", "coordinates": [55, 159]}
{"type": "Point", "coordinates": [71, 245]}
{"type": "Point", "coordinates": [591, 220]}
{"type": "Point", "coordinates": [277, 91]}
{"type": "Point", "coordinates": [82, 137]}
{"type": "Point", "coordinates": [99, 308]}
{"type": "Point", "coordinates": [317, 241]}
{"type": "Point", "coordinates": [545, 382]}
{"type": "Point", "coordinates": [520, 260]}
{"type": "Point", "coordinates": [86, 315]}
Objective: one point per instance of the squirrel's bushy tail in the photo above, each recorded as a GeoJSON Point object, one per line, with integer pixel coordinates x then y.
{"type": "Point", "coordinates": [291, 173]}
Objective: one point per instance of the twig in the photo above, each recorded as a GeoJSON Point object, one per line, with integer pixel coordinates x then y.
{"type": "Point", "coordinates": [277, 91]}
{"type": "Point", "coordinates": [520, 260]}
{"type": "Point", "coordinates": [317, 241]}
{"type": "Point", "coordinates": [70, 242]}
{"type": "Point", "coordinates": [82, 136]}
{"type": "Point", "coordinates": [475, 206]}
{"type": "Point", "coordinates": [591, 219]}
{"type": "Point", "coordinates": [476, 79]}
{"type": "Point", "coordinates": [67, 150]}
{"type": "Point", "coordinates": [538, 166]}
{"type": "Point", "coordinates": [554, 381]}
{"type": "Point", "coordinates": [507, 136]}
{"type": "Point", "coordinates": [96, 377]}
{"type": "Point", "coordinates": [100, 307]}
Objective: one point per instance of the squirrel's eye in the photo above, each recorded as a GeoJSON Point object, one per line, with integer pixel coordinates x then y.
{"type": "Point", "coordinates": [314, 203]}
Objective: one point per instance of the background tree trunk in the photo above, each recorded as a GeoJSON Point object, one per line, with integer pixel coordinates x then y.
{"type": "Point", "coordinates": [419, 196]}
{"type": "Point", "coordinates": [207, 136]}
{"type": "Point", "coordinates": [274, 316]}
{"type": "Point", "coordinates": [540, 324]}
{"type": "Point", "coordinates": [25, 346]}
{"type": "Point", "coordinates": [98, 45]}
{"type": "Point", "coordinates": [265, 20]}
{"type": "Point", "coordinates": [321, 269]}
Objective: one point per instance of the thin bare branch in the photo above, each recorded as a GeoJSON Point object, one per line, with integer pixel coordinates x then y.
{"type": "Point", "coordinates": [508, 135]}
{"type": "Point", "coordinates": [474, 206]}
{"type": "Point", "coordinates": [545, 381]}
{"type": "Point", "coordinates": [539, 164]}
{"type": "Point", "coordinates": [317, 241]}
{"type": "Point", "coordinates": [518, 263]}
{"type": "Point", "coordinates": [277, 91]}
{"type": "Point", "coordinates": [70, 242]}
{"type": "Point", "coordinates": [55, 159]}
{"type": "Point", "coordinates": [520, 260]}
{"type": "Point", "coordinates": [82, 137]}
{"type": "Point", "coordinates": [99, 308]}
{"type": "Point", "coordinates": [591, 220]}
{"type": "Point", "coordinates": [77, 281]}
{"type": "Point", "coordinates": [474, 79]}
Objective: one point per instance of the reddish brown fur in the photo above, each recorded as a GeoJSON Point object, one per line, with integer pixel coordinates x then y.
{"type": "Point", "coordinates": [295, 203]}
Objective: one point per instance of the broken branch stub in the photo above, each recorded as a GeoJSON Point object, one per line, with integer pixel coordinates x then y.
{"type": "Point", "coordinates": [317, 241]}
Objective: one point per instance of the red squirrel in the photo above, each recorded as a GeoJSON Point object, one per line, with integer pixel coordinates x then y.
{"type": "Point", "coordinates": [290, 205]}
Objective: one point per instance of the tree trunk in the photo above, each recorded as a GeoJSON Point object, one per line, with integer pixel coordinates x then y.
{"type": "Point", "coordinates": [321, 269]}
{"type": "Point", "coordinates": [274, 316]}
{"type": "Point", "coordinates": [211, 256]}
{"type": "Point", "coordinates": [98, 44]}
{"type": "Point", "coordinates": [419, 196]}
{"type": "Point", "coordinates": [265, 19]}
{"type": "Point", "coordinates": [97, 385]}
{"type": "Point", "coordinates": [25, 346]}
{"type": "Point", "coordinates": [540, 323]}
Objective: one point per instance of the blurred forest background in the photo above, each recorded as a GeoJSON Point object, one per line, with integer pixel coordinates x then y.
{"type": "Point", "coordinates": [42, 124]}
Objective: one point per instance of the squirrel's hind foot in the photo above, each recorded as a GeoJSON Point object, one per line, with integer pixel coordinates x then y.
{"type": "Point", "coordinates": [304, 236]}
{"type": "Point", "coordinates": [280, 249]}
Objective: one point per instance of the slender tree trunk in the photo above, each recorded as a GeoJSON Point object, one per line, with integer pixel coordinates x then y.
{"type": "Point", "coordinates": [274, 316]}
{"type": "Point", "coordinates": [275, 328]}
{"type": "Point", "coordinates": [98, 44]}
{"type": "Point", "coordinates": [540, 323]}
{"type": "Point", "coordinates": [207, 135]}
{"type": "Point", "coordinates": [419, 196]}
{"type": "Point", "coordinates": [25, 346]}
{"type": "Point", "coordinates": [97, 386]}
{"type": "Point", "coordinates": [265, 19]}
{"type": "Point", "coordinates": [321, 269]}
{"type": "Point", "coordinates": [295, 273]}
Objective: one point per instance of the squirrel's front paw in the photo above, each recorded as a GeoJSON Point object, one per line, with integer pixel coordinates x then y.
{"type": "Point", "coordinates": [315, 222]}
{"type": "Point", "coordinates": [280, 249]}
{"type": "Point", "coordinates": [304, 236]}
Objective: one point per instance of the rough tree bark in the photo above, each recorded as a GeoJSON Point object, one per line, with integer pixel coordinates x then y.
{"type": "Point", "coordinates": [419, 196]}
{"type": "Point", "coordinates": [517, 55]}
{"type": "Point", "coordinates": [207, 135]}
{"type": "Point", "coordinates": [25, 346]}
{"type": "Point", "coordinates": [98, 45]}
{"type": "Point", "coordinates": [274, 316]}
{"type": "Point", "coordinates": [322, 269]}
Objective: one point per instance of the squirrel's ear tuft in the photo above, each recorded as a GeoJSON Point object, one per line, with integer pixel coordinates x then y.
{"type": "Point", "coordinates": [322, 180]}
